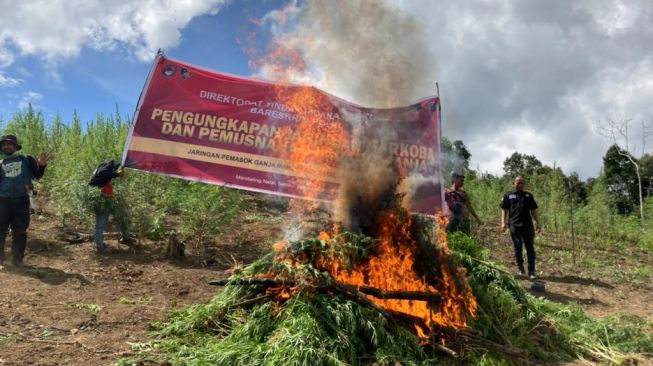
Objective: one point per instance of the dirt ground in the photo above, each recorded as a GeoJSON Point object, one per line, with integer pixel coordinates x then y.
{"type": "Point", "coordinates": [602, 278]}
{"type": "Point", "coordinates": [71, 306]}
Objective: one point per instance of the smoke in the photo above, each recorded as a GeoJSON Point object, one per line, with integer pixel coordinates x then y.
{"type": "Point", "coordinates": [368, 176]}
{"type": "Point", "coordinates": [367, 52]}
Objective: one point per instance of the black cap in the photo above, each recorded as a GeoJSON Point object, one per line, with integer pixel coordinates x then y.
{"type": "Point", "coordinates": [12, 139]}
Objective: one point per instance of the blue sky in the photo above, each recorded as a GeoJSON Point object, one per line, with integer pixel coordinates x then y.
{"type": "Point", "coordinates": [532, 76]}
{"type": "Point", "coordinates": [97, 81]}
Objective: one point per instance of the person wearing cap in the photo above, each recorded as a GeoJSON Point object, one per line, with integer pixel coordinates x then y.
{"type": "Point", "coordinates": [518, 208]}
{"type": "Point", "coordinates": [460, 206]}
{"type": "Point", "coordinates": [16, 175]}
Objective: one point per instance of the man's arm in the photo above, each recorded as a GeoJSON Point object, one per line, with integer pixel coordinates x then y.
{"type": "Point", "coordinates": [536, 215]}
{"type": "Point", "coordinates": [38, 166]}
{"type": "Point", "coordinates": [504, 219]}
{"type": "Point", "coordinates": [470, 208]}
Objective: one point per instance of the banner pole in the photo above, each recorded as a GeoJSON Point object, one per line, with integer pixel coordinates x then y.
{"type": "Point", "coordinates": [438, 147]}
{"type": "Point", "coordinates": [159, 56]}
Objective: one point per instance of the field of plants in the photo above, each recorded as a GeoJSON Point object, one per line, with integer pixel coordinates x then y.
{"type": "Point", "coordinates": [71, 306]}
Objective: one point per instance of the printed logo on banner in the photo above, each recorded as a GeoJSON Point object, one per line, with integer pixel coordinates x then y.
{"type": "Point", "coordinates": [168, 70]}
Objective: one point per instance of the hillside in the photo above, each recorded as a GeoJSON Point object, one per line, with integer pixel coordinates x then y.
{"type": "Point", "coordinates": [71, 306]}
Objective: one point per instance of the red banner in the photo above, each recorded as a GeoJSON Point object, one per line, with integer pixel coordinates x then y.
{"type": "Point", "coordinates": [198, 124]}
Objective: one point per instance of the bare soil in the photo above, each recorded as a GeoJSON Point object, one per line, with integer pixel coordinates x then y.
{"type": "Point", "coordinates": [71, 306]}
{"type": "Point", "coordinates": [603, 278]}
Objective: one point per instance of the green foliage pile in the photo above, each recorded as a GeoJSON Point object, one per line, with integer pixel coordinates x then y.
{"type": "Point", "coordinates": [142, 201]}
{"type": "Point", "coordinates": [221, 332]}
{"type": "Point", "coordinates": [306, 329]}
{"type": "Point", "coordinates": [549, 331]}
{"type": "Point", "coordinates": [237, 327]}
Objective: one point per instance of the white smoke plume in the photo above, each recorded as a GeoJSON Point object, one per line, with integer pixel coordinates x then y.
{"type": "Point", "coordinates": [364, 51]}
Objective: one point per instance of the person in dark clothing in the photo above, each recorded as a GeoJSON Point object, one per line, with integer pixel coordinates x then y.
{"type": "Point", "coordinates": [460, 206]}
{"type": "Point", "coordinates": [16, 177]}
{"type": "Point", "coordinates": [518, 208]}
{"type": "Point", "coordinates": [106, 205]}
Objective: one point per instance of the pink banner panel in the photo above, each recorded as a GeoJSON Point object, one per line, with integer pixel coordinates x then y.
{"type": "Point", "coordinates": [202, 125]}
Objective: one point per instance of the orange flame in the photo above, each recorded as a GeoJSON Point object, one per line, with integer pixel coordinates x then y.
{"type": "Point", "coordinates": [313, 149]}
{"type": "Point", "coordinates": [392, 269]}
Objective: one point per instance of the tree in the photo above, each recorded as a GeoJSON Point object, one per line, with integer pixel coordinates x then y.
{"type": "Point", "coordinates": [577, 188]}
{"type": "Point", "coordinates": [620, 179]}
{"type": "Point", "coordinates": [617, 129]}
{"type": "Point", "coordinates": [521, 164]}
{"type": "Point", "coordinates": [462, 153]}
{"type": "Point", "coordinates": [454, 157]}
{"type": "Point", "coordinates": [646, 168]}
{"type": "Point", "coordinates": [556, 197]}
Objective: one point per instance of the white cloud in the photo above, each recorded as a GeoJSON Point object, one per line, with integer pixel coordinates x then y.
{"type": "Point", "coordinates": [6, 57]}
{"type": "Point", "coordinates": [28, 98]}
{"type": "Point", "coordinates": [532, 76]}
{"type": "Point", "coordinates": [7, 80]}
{"type": "Point", "coordinates": [55, 30]}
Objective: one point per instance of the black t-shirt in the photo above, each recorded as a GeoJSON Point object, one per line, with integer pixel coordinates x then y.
{"type": "Point", "coordinates": [519, 205]}
{"type": "Point", "coordinates": [456, 201]}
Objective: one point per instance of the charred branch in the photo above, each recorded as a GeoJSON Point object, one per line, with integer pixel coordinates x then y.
{"type": "Point", "coordinates": [445, 350]}
{"type": "Point", "coordinates": [251, 301]}
{"type": "Point", "coordinates": [265, 282]}
{"type": "Point", "coordinates": [336, 286]}
{"type": "Point", "coordinates": [472, 336]}
{"type": "Point", "coordinates": [362, 299]}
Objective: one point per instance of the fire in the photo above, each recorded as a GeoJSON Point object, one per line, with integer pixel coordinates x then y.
{"type": "Point", "coordinates": [392, 268]}
{"type": "Point", "coordinates": [314, 150]}
{"type": "Point", "coordinates": [460, 300]}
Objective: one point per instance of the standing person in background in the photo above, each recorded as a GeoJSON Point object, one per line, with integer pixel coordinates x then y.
{"type": "Point", "coordinates": [106, 204]}
{"type": "Point", "coordinates": [460, 206]}
{"type": "Point", "coordinates": [518, 208]}
{"type": "Point", "coordinates": [16, 177]}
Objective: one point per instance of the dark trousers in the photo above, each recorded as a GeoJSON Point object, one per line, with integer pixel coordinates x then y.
{"type": "Point", "coordinates": [524, 236]}
{"type": "Point", "coordinates": [458, 224]}
{"type": "Point", "coordinates": [14, 213]}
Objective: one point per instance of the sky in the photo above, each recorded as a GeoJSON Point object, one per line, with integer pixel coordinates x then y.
{"type": "Point", "coordinates": [536, 77]}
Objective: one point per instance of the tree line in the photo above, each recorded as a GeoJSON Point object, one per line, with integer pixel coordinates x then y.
{"type": "Point", "coordinates": [603, 207]}
{"type": "Point", "coordinates": [155, 205]}
{"type": "Point", "coordinates": [606, 207]}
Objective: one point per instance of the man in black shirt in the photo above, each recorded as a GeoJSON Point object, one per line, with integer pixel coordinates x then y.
{"type": "Point", "coordinates": [518, 207]}
{"type": "Point", "coordinates": [16, 174]}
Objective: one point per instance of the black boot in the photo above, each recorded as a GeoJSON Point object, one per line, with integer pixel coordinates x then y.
{"type": "Point", "coordinates": [17, 262]}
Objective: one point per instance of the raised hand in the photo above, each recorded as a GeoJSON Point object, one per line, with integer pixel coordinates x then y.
{"type": "Point", "coordinates": [43, 159]}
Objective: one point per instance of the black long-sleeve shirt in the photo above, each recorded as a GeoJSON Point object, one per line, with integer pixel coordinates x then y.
{"type": "Point", "coordinates": [16, 174]}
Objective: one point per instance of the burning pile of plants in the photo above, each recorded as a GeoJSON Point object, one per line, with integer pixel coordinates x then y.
{"type": "Point", "coordinates": [364, 282]}
{"type": "Point", "coordinates": [321, 301]}
{"type": "Point", "coordinates": [301, 305]}
{"type": "Point", "coordinates": [393, 296]}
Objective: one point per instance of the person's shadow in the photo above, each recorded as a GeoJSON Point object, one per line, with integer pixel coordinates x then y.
{"type": "Point", "coordinates": [566, 299]}
{"type": "Point", "coordinates": [48, 275]}
{"type": "Point", "coordinates": [577, 280]}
